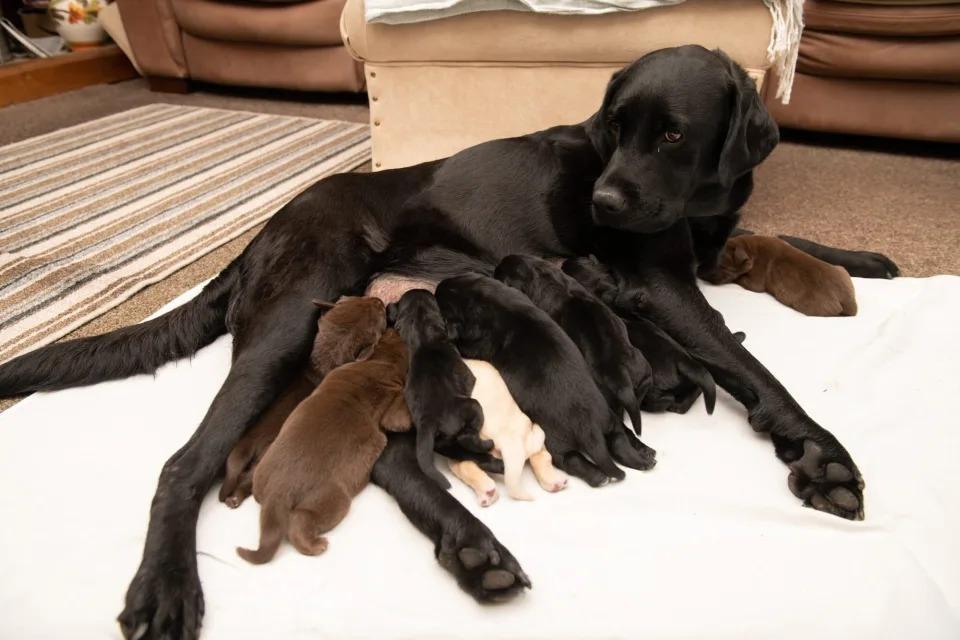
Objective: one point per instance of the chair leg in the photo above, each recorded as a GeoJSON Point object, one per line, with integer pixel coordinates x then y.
{"type": "Point", "coordinates": [169, 85]}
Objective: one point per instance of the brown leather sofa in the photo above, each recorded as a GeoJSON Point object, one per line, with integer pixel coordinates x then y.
{"type": "Point", "coordinates": [877, 68]}
{"type": "Point", "coordinates": [288, 45]}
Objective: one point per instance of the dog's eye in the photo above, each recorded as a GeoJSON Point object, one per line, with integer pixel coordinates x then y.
{"type": "Point", "coordinates": [613, 125]}
{"type": "Point", "coordinates": [672, 136]}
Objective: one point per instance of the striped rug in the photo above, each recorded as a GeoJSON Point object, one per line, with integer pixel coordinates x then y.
{"type": "Point", "coordinates": [91, 214]}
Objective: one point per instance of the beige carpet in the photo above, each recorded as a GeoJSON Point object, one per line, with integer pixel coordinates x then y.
{"type": "Point", "coordinates": [92, 213]}
{"type": "Point", "coordinates": [900, 198]}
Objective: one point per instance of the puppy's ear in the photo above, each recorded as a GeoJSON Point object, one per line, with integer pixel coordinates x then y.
{"type": "Point", "coordinates": [751, 134]}
{"type": "Point", "coordinates": [598, 126]}
{"type": "Point", "coordinates": [365, 352]}
{"type": "Point", "coordinates": [742, 260]}
{"type": "Point", "coordinates": [392, 311]}
{"type": "Point", "coordinates": [323, 305]}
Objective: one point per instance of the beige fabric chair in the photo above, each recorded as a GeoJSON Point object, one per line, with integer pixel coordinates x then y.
{"type": "Point", "coordinates": [438, 87]}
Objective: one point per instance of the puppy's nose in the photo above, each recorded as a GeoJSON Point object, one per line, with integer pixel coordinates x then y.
{"type": "Point", "coordinates": [609, 200]}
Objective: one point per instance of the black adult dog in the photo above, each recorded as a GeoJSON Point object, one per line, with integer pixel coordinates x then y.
{"type": "Point", "coordinates": [438, 383]}
{"type": "Point", "coordinates": [677, 378]}
{"type": "Point", "coordinates": [546, 375]}
{"type": "Point", "coordinates": [621, 372]}
{"type": "Point", "coordinates": [651, 183]}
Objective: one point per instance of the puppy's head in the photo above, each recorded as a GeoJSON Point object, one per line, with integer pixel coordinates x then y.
{"type": "Point", "coordinates": [674, 123]}
{"type": "Point", "coordinates": [593, 275]}
{"type": "Point", "coordinates": [358, 322]}
{"type": "Point", "coordinates": [734, 261]}
{"type": "Point", "coordinates": [540, 280]}
{"type": "Point", "coordinates": [417, 318]}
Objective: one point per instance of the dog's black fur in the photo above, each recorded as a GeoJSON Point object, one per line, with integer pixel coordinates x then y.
{"type": "Point", "coordinates": [545, 373]}
{"type": "Point", "coordinates": [678, 379]}
{"type": "Point", "coordinates": [621, 372]}
{"type": "Point", "coordinates": [438, 385]}
{"type": "Point", "coordinates": [551, 193]}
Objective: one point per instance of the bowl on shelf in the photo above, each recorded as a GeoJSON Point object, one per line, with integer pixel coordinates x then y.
{"type": "Point", "coordinates": [78, 22]}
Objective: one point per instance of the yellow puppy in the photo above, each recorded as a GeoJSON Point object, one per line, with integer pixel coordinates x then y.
{"type": "Point", "coordinates": [515, 437]}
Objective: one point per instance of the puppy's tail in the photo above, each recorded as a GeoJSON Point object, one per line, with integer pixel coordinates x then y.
{"type": "Point", "coordinates": [140, 348]}
{"type": "Point", "coordinates": [274, 518]}
{"type": "Point", "coordinates": [698, 374]}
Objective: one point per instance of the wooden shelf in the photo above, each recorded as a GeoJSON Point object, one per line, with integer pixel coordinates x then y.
{"type": "Point", "coordinates": [39, 78]}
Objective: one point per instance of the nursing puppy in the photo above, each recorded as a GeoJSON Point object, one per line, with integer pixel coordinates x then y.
{"type": "Point", "coordinates": [439, 383]}
{"type": "Point", "coordinates": [798, 280]}
{"type": "Point", "coordinates": [677, 378]}
{"type": "Point", "coordinates": [619, 369]}
{"type": "Point", "coordinates": [326, 450]}
{"type": "Point", "coordinates": [346, 331]}
{"type": "Point", "coordinates": [515, 437]}
{"type": "Point", "coordinates": [545, 374]}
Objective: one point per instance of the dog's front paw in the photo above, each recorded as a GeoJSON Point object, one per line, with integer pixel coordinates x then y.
{"type": "Point", "coordinates": [163, 601]}
{"type": "Point", "coordinates": [826, 480]}
{"type": "Point", "coordinates": [483, 567]}
{"type": "Point", "coordinates": [868, 264]}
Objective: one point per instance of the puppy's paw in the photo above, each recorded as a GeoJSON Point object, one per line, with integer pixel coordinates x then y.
{"type": "Point", "coordinates": [483, 567]}
{"type": "Point", "coordinates": [868, 264]}
{"type": "Point", "coordinates": [520, 494]}
{"type": "Point", "coordinates": [488, 496]}
{"type": "Point", "coordinates": [164, 601]}
{"type": "Point", "coordinates": [233, 501]}
{"type": "Point", "coordinates": [556, 481]}
{"type": "Point", "coordinates": [825, 479]}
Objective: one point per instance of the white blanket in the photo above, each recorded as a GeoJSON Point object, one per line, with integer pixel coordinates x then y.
{"type": "Point", "coordinates": [710, 544]}
{"type": "Point", "coordinates": [406, 11]}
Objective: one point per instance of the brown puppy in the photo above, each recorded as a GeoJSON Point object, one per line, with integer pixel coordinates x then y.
{"type": "Point", "coordinates": [798, 280]}
{"type": "Point", "coordinates": [326, 450]}
{"type": "Point", "coordinates": [346, 331]}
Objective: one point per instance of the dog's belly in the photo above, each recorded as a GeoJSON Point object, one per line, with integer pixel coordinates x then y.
{"type": "Point", "coordinates": [390, 287]}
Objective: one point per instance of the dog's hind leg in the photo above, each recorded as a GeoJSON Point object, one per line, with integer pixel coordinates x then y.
{"type": "Point", "coordinates": [464, 546]}
{"type": "Point", "coordinates": [514, 455]}
{"type": "Point", "coordinates": [165, 595]}
{"type": "Point", "coordinates": [475, 478]}
{"type": "Point", "coordinates": [313, 518]}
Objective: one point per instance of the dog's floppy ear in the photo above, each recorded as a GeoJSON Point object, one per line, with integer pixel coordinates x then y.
{"type": "Point", "coordinates": [752, 134]}
{"type": "Point", "coordinates": [598, 128]}
{"type": "Point", "coordinates": [324, 305]}
{"type": "Point", "coordinates": [742, 260]}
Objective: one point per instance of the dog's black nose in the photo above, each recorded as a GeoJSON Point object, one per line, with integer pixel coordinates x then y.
{"type": "Point", "coordinates": [609, 201]}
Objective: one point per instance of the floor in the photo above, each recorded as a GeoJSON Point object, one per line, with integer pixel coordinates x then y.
{"type": "Point", "coordinates": [899, 198]}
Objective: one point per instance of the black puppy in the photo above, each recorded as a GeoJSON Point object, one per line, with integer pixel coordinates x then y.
{"type": "Point", "coordinates": [677, 377]}
{"type": "Point", "coordinates": [438, 388]}
{"type": "Point", "coordinates": [545, 373]}
{"type": "Point", "coordinates": [621, 372]}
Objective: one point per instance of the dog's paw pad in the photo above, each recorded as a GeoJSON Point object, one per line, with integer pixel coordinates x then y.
{"type": "Point", "coordinates": [233, 502]}
{"type": "Point", "coordinates": [496, 579]}
{"type": "Point", "coordinates": [825, 483]}
{"type": "Point", "coordinates": [488, 497]}
{"type": "Point", "coordinates": [471, 558]}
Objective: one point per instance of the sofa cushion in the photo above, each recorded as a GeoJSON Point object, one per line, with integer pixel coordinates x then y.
{"type": "Point", "coordinates": [314, 23]}
{"type": "Point", "coordinates": [883, 20]}
{"type": "Point", "coordinates": [865, 56]}
{"type": "Point", "coordinates": [519, 37]}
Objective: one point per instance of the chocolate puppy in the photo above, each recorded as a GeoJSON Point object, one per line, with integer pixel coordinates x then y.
{"type": "Point", "coordinates": [798, 280]}
{"type": "Point", "coordinates": [545, 373]}
{"type": "Point", "coordinates": [438, 386]}
{"type": "Point", "coordinates": [677, 377]}
{"type": "Point", "coordinates": [619, 369]}
{"type": "Point", "coordinates": [326, 450]}
{"type": "Point", "coordinates": [346, 331]}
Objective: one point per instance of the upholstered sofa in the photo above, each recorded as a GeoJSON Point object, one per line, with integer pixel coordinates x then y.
{"type": "Point", "coordinates": [439, 86]}
{"type": "Point", "coordinates": [882, 68]}
{"type": "Point", "coordinates": [288, 45]}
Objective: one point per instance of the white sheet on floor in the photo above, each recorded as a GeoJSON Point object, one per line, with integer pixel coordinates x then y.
{"type": "Point", "coordinates": [710, 544]}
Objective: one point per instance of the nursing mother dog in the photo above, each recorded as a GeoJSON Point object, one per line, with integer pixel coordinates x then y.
{"type": "Point", "coordinates": [651, 184]}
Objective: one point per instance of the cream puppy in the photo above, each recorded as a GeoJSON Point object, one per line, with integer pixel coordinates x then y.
{"type": "Point", "coordinates": [515, 437]}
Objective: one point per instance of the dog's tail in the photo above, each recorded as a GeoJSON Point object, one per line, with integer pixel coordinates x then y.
{"type": "Point", "coordinates": [698, 374]}
{"type": "Point", "coordinates": [274, 519]}
{"type": "Point", "coordinates": [140, 348]}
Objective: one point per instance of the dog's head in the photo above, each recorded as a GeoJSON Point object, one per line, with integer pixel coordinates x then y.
{"type": "Point", "coordinates": [355, 324]}
{"type": "Point", "coordinates": [675, 123]}
{"type": "Point", "coordinates": [734, 261]}
{"type": "Point", "coordinates": [417, 318]}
